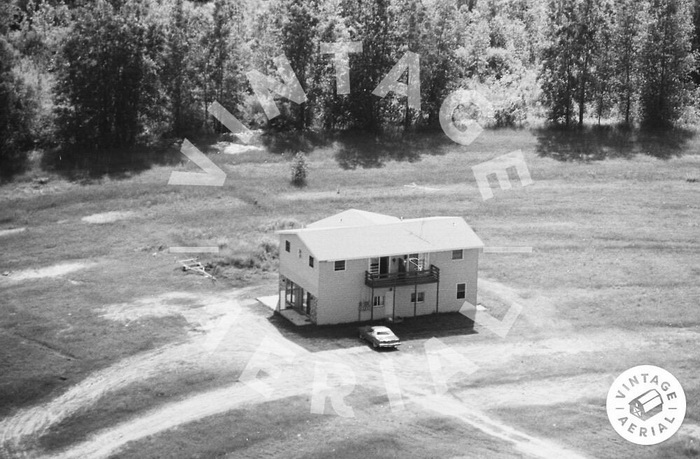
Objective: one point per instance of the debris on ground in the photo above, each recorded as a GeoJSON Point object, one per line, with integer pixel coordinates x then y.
{"type": "Point", "coordinates": [192, 264]}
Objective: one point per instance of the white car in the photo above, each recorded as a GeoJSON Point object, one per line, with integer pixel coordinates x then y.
{"type": "Point", "coordinates": [379, 336]}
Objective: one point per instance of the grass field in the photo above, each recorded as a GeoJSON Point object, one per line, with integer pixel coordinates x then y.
{"type": "Point", "coordinates": [613, 281]}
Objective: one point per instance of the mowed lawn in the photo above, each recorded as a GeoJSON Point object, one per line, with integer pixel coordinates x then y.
{"type": "Point", "coordinates": [615, 246]}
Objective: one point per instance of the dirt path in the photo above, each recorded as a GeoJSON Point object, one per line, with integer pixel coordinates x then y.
{"type": "Point", "coordinates": [35, 421]}
{"type": "Point", "coordinates": [10, 232]}
{"type": "Point", "coordinates": [49, 271]}
{"type": "Point", "coordinates": [198, 407]}
{"type": "Point", "coordinates": [108, 217]}
{"type": "Point", "coordinates": [415, 387]}
{"type": "Point", "coordinates": [532, 446]}
{"type": "Point", "coordinates": [413, 384]}
{"type": "Point", "coordinates": [211, 321]}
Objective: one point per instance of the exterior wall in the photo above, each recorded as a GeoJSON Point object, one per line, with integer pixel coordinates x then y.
{"type": "Point", "coordinates": [297, 269]}
{"type": "Point", "coordinates": [340, 292]}
{"type": "Point", "coordinates": [404, 306]}
{"type": "Point", "coordinates": [453, 272]}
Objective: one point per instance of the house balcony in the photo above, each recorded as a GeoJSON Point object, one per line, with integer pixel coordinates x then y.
{"type": "Point", "coordinates": [426, 276]}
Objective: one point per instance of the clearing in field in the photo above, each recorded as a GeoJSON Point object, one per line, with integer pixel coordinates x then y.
{"type": "Point", "coordinates": [109, 348]}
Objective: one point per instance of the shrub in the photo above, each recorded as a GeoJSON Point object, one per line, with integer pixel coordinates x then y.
{"type": "Point", "coordinates": [281, 223]}
{"type": "Point", "coordinates": [299, 170]}
{"type": "Point", "coordinates": [512, 113]}
{"type": "Point", "coordinates": [268, 249]}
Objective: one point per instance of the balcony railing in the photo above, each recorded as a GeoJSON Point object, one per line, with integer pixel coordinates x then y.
{"type": "Point", "coordinates": [427, 276]}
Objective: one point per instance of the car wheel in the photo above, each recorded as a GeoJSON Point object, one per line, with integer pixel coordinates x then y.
{"type": "Point", "coordinates": [375, 345]}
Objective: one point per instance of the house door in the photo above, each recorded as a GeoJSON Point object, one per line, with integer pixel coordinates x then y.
{"type": "Point", "coordinates": [384, 265]}
{"type": "Point", "coordinates": [389, 305]}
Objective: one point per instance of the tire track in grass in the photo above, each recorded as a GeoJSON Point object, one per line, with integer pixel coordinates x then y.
{"type": "Point", "coordinates": [31, 423]}
{"type": "Point", "coordinates": [197, 407]}
{"type": "Point", "coordinates": [416, 385]}
{"type": "Point", "coordinates": [527, 444]}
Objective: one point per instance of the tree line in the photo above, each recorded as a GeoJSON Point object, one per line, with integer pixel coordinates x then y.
{"type": "Point", "coordinates": [96, 78]}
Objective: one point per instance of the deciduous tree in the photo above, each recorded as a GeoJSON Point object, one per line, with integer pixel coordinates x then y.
{"type": "Point", "coordinates": [107, 90]}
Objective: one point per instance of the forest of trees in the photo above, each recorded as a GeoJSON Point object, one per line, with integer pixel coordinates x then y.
{"type": "Point", "coordinates": [97, 78]}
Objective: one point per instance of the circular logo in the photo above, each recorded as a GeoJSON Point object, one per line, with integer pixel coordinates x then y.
{"type": "Point", "coordinates": [646, 405]}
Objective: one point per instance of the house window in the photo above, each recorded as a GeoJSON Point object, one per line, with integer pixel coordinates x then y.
{"type": "Point", "coordinates": [374, 266]}
{"type": "Point", "coordinates": [340, 265]}
{"type": "Point", "coordinates": [457, 254]}
{"type": "Point", "coordinates": [419, 298]}
{"type": "Point", "coordinates": [461, 291]}
{"type": "Point", "coordinates": [287, 246]}
{"type": "Point", "coordinates": [299, 253]}
{"type": "Point", "coordinates": [378, 301]}
{"type": "Point", "coordinates": [311, 261]}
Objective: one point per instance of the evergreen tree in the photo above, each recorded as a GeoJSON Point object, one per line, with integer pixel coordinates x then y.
{"type": "Point", "coordinates": [627, 36]}
{"type": "Point", "coordinates": [175, 74]}
{"type": "Point", "coordinates": [696, 40]}
{"type": "Point", "coordinates": [331, 108]}
{"type": "Point", "coordinates": [559, 61]}
{"type": "Point", "coordinates": [410, 25]}
{"type": "Point", "coordinates": [666, 63]}
{"type": "Point", "coordinates": [568, 72]}
{"type": "Point", "coordinates": [368, 21]}
{"type": "Point", "coordinates": [585, 49]}
{"type": "Point", "coordinates": [299, 41]}
{"type": "Point", "coordinates": [604, 60]}
{"type": "Point", "coordinates": [438, 42]}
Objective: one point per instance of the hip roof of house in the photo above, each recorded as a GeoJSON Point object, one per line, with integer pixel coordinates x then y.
{"type": "Point", "coordinates": [355, 234]}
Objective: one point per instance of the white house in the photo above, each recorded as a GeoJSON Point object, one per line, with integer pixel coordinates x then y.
{"type": "Point", "coordinates": [357, 266]}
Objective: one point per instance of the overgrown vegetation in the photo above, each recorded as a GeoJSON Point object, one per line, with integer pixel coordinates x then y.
{"type": "Point", "coordinates": [299, 170]}
{"type": "Point", "coordinates": [17, 108]}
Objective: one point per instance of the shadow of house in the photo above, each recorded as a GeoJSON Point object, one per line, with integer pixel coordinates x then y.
{"type": "Point", "coordinates": [607, 142]}
{"type": "Point", "coordinates": [317, 338]}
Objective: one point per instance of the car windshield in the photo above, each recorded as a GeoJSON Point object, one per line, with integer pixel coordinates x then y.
{"type": "Point", "coordinates": [383, 333]}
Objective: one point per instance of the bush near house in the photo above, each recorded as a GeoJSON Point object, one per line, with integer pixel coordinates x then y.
{"type": "Point", "coordinates": [299, 170]}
